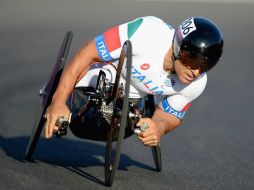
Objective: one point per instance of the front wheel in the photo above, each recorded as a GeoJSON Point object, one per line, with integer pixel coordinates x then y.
{"type": "Point", "coordinates": [118, 123]}
{"type": "Point", "coordinates": [156, 150]}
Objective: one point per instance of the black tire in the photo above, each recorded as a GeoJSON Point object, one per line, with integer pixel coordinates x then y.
{"type": "Point", "coordinates": [118, 124]}
{"type": "Point", "coordinates": [156, 150]}
{"type": "Point", "coordinates": [47, 93]}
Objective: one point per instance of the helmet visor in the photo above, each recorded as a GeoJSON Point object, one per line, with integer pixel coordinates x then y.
{"type": "Point", "coordinates": [189, 58]}
{"type": "Point", "coordinates": [194, 62]}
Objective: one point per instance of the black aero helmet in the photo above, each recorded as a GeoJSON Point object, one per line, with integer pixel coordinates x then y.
{"type": "Point", "coordinates": [201, 39]}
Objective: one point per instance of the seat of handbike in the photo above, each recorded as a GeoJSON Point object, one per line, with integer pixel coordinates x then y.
{"type": "Point", "coordinates": [91, 125]}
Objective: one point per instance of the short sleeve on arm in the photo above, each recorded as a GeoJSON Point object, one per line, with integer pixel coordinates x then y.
{"type": "Point", "coordinates": [179, 103]}
{"type": "Point", "coordinates": [176, 105]}
{"type": "Point", "coordinates": [109, 44]}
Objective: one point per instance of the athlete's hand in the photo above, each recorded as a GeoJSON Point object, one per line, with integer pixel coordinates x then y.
{"type": "Point", "coordinates": [152, 135]}
{"type": "Point", "coordinates": [53, 112]}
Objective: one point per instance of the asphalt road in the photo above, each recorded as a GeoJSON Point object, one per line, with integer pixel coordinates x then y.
{"type": "Point", "coordinates": [213, 149]}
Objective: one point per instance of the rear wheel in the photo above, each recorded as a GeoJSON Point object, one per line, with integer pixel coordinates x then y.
{"type": "Point", "coordinates": [46, 94]}
{"type": "Point", "coordinates": [116, 131]}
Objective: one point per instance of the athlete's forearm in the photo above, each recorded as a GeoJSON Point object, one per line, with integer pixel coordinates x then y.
{"type": "Point", "coordinates": [64, 88]}
{"type": "Point", "coordinates": [83, 58]}
{"type": "Point", "coordinates": [166, 122]}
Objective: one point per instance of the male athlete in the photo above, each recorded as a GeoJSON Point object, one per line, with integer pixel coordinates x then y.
{"type": "Point", "coordinates": [165, 62]}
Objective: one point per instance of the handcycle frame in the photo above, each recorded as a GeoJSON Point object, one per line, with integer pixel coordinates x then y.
{"type": "Point", "coordinates": [118, 117]}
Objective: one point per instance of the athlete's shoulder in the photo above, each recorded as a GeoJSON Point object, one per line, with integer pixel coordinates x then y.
{"type": "Point", "coordinates": [152, 29]}
{"type": "Point", "coordinates": [153, 19]}
{"type": "Point", "coordinates": [156, 21]}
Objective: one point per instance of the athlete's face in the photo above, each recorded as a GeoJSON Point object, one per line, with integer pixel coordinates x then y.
{"type": "Point", "coordinates": [186, 69]}
{"type": "Point", "coordinates": [185, 73]}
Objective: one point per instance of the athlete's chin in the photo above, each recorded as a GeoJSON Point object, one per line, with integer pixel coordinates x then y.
{"type": "Point", "coordinates": [185, 81]}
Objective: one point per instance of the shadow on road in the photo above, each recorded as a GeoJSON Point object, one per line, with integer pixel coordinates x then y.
{"type": "Point", "coordinates": [70, 154]}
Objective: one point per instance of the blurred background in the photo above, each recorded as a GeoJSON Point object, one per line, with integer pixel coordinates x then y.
{"type": "Point", "coordinates": [213, 149]}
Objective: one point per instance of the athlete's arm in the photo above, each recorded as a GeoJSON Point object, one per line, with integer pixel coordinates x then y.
{"type": "Point", "coordinates": [161, 123]}
{"type": "Point", "coordinates": [83, 58]}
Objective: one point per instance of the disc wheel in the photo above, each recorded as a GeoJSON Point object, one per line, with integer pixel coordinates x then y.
{"type": "Point", "coordinates": [46, 94]}
{"type": "Point", "coordinates": [115, 134]}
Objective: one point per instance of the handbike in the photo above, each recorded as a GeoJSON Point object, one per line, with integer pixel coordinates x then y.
{"type": "Point", "coordinates": [116, 115]}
